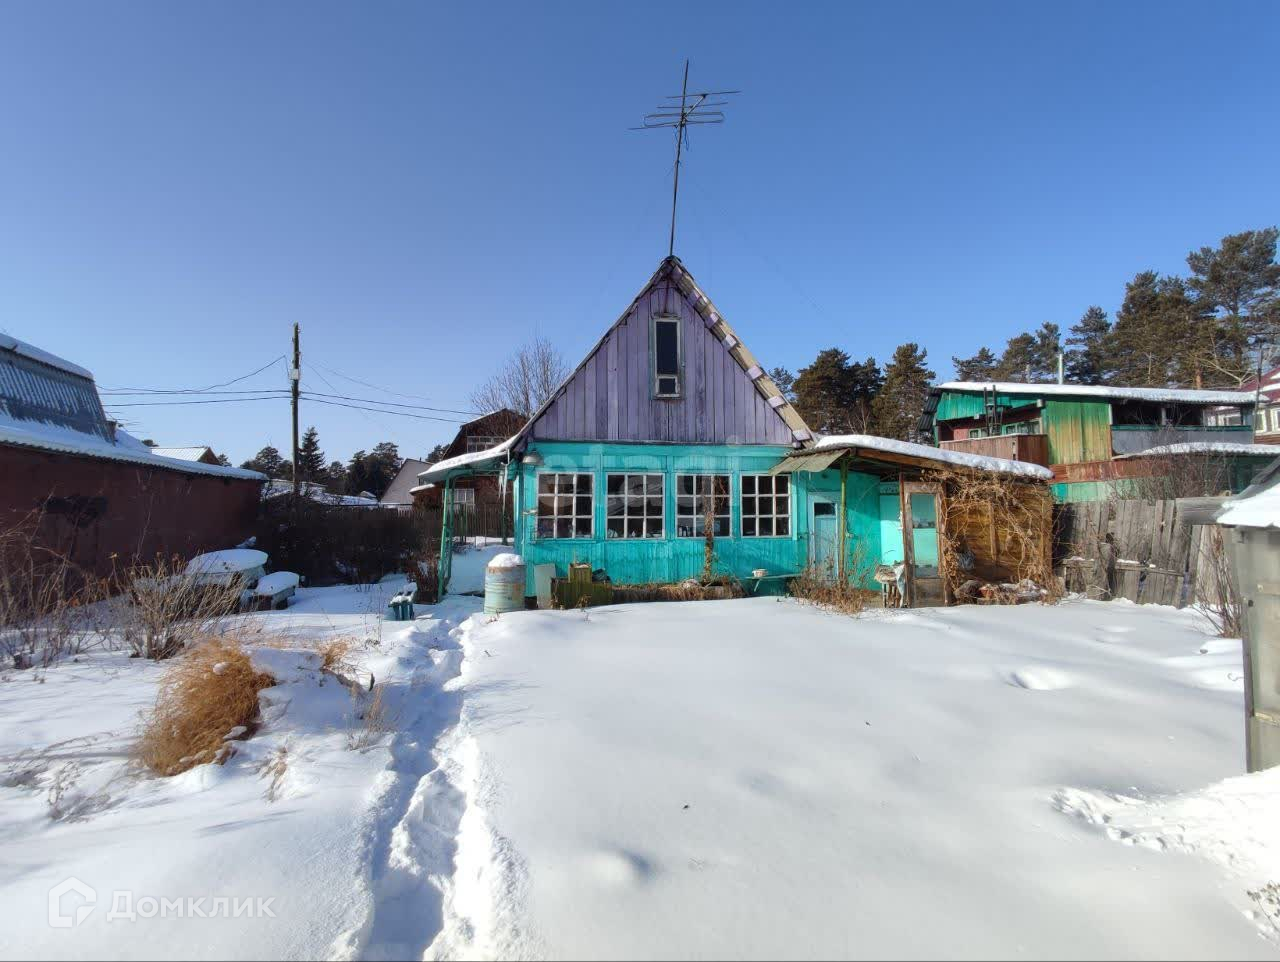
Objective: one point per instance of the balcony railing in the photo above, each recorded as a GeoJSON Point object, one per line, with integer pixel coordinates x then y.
{"type": "Point", "coordinates": [1012, 447]}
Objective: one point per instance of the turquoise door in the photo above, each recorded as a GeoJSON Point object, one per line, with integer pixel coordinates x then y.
{"type": "Point", "coordinates": [890, 529]}
{"type": "Point", "coordinates": [924, 533]}
{"type": "Point", "coordinates": [825, 546]}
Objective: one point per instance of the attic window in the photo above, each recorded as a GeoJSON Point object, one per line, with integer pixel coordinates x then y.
{"type": "Point", "coordinates": [666, 355]}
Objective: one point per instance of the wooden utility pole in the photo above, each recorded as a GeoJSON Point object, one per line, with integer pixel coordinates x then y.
{"type": "Point", "coordinates": [295, 382]}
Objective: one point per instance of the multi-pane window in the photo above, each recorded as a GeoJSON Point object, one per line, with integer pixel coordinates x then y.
{"type": "Point", "coordinates": [634, 506]}
{"type": "Point", "coordinates": [666, 356]}
{"type": "Point", "coordinates": [464, 497]}
{"type": "Point", "coordinates": [482, 442]}
{"type": "Point", "coordinates": [698, 495]}
{"type": "Point", "coordinates": [564, 505]}
{"type": "Point", "coordinates": [766, 505]}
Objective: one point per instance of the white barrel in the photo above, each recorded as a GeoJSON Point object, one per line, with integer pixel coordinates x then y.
{"type": "Point", "coordinates": [504, 584]}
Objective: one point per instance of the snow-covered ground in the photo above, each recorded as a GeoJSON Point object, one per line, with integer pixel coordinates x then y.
{"type": "Point", "coordinates": [749, 778]}
{"type": "Point", "coordinates": [761, 779]}
{"type": "Point", "coordinates": [340, 824]}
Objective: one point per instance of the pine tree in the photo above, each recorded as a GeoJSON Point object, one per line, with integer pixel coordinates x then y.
{"type": "Point", "coordinates": [224, 460]}
{"type": "Point", "coordinates": [900, 402]}
{"type": "Point", "coordinates": [436, 454]}
{"type": "Point", "coordinates": [1018, 362]}
{"type": "Point", "coordinates": [1240, 278]}
{"type": "Point", "coordinates": [1086, 360]}
{"type": "Point", "coordinates": [1044, 354]}
{"type": "Point", "coordinates": [310, 457]}
{"type": "Point", "coordinates": [785, 381]}
{"type": "Point", "coordinates": [824, 392]}
{"type": "Point", "coordinates": [980, 367]}
{"type": "Point", "coordinates": [268, 461]}
{"type": "Point", "coordinates": [335, 477]}
{"type": "Point", "coordinates": [865, 381]}
{"type": "Point", "coordinates": [1141, 349]}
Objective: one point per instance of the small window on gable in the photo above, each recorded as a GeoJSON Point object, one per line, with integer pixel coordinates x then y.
{"type": "Point", "coordinates": [666, 355]}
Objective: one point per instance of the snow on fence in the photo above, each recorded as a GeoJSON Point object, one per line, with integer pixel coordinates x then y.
{"type": "Point", "coordinates": [1151, 552]}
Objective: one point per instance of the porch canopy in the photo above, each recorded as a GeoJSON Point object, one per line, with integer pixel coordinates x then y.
{"type": "Point", "coordinates": [908, 464]}
{"type": "Point", "coordinates": [881, 456]}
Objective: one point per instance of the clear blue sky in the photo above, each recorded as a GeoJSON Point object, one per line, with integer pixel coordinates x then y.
{"type": "Point", "coordinates": [424, 185]}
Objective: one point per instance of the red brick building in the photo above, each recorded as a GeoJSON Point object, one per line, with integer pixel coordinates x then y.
{"type": "Point", "coordinates": [91, 491]}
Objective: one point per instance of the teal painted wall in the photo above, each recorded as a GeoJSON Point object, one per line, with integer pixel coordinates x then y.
{"type": "Point", "coordinates": [668, 559]}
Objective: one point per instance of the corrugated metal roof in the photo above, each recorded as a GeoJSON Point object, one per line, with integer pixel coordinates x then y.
{"type": "Point", "coordinates": [808, 461]}
{"type": "Point", "coordinates": [32, 389]}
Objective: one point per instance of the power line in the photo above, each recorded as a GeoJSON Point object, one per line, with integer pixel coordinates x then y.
{"type": "Point", "coordinates": [403, 414]}
{"type": "Point", "coordinates": [198, 390]}
{"type": "Point", "coordinates": [376, 387]}
{"type": "Point", "coordinates": [111, 392]}
{"type": "Point", "coordinates": [224, 400]}
{"type": "Point", "coordinates": [394, 404]}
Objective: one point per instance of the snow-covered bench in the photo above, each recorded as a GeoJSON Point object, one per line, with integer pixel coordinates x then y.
{"type": "Point", "coordinates": [275, 590]}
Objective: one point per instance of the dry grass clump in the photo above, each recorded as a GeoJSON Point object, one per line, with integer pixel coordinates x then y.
{"type": "Point", "coordinates": [207, 695]}
{"type": "Point", "coordinates": [335, 655]}
{"type": "Point", "coordinates": [816, 586]}
{"type": "Point", "coordinates": [680, 591]}
{"type": "Point", "coordinates": [371, 718]}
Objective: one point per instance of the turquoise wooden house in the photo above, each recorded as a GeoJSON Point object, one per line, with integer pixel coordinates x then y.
{"type": "Point", "coordinates": [670, 421]}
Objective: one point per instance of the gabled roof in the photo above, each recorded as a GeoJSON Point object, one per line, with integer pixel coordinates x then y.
{"type": "Point", "coordinates": [672, 267]}
{"type": "Point", "coordinates": [194, 453]}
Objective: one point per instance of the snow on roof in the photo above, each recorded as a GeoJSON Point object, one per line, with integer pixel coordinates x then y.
{"type": "Point", "coordinates": [979, 462]}
{"type": "Point", "coordinates": [1205, 447]}
{"type": "Point", "coordinates": [64, 440]}
{"type": "Point", "coordinates": [8, 343]}
{"type": "Point", "coordinates": [440, 470]}
{"type": "Point", "coordinates": [314, 491]}
{"type": "Point", "coordinates": [180, 454]}
{"type": "Point", "coordinates": [1172, 395]}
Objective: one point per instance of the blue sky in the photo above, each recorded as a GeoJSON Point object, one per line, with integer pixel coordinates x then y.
{"type": "Point", "coordinates": [423, 185]}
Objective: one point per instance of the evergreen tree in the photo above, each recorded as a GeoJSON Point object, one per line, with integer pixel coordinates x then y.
{"type": "Point", "coordinates": [980, 367]}
{"type": "Point", "coordinates": [786, 382]}
{"type": "Point", "coordinates": [1240, 278]}
{"type": "Point", "coordinates": [436, 453]}
{"type": "Point", "coordinates": [357, 478]}
{"type": "Point", "coordinates": [1044, 354]}
{"type": "Point", "coordinates": [382, 465]}
{"type": "Point", "coordinates": [224, 460]}
{"type": "Point", "coordinates": [866, 381]}
{"type": "Point", "coordinates": [1141, 349]}
{"type": "Point", "coordinates": [335, 480]}
{"type": "Point", "coordinates": [900, 402]}
{"type": "Point", "coordinates": [824, 392]}
{"type": "Point", "coordinates": [311, 466]}
{"type": "Point", "coordinates": [268, 461]}
{"type": "Point", "coordinates": [1086, 360]}
{"type": "Point", "coordinates": [1018, 362]}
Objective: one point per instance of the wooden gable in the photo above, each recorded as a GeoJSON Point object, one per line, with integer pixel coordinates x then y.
{"type": "Point", "coordinates": [725, 396]}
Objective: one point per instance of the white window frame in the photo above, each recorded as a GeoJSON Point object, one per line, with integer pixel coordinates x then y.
{"type": "Point", "coordinates": [755, 516]}
{"type": "Point", "coordinates": [697, 530]}
{"type": "Point", "coordinates": [674, 320]}
{"type": "Point", "coordinates": [573, 515]}
{"type": "Point", "coordinates": [644, 517]}
{"type": "Point", "coordinates": [464, 497]}
{"type": "Point", "coordinates": [481, 442]}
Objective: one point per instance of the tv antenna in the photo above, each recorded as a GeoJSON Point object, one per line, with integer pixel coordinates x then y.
{"type": "Point", "coordinates": [693, 108]}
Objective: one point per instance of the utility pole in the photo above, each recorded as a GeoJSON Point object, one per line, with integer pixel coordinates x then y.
{"type": "Point", "coordinates": [295, 382]}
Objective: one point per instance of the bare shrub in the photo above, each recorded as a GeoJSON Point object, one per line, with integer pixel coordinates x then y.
{"type": "Point", "coordinates": [47, 604]}
{"type": "Point", "coordinates": [815, 585]}
{"type": "Point", "coordinates": [995, 528]}
{"type": "Point", "coordinates": [274, 769]}
{"type": "Point", "coordinates": [207, 695]}
{"type": "Point", "coordinates": [1216, 587]}
{"type": "Point", "coordinates": [371, 718]}
{"type": "Point", "coordinates": [170, 609]}
{"type": "Point", "coordinates": [335, 655]}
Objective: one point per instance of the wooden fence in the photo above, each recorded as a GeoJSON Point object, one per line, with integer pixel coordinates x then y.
{"type": "Point", "coordinates": [1150, 552]}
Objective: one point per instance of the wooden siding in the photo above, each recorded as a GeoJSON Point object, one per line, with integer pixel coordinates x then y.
{"type": "Point", "coordinates": [610, 397]}
{"type": "Point", "coordinates": [1077, 430]}
{"type": "Point", "coordinates": [954, 405]}
{"type": "Point", "coordinates": [1012, 447]}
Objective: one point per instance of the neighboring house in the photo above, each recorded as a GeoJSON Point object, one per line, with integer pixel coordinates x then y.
{"type": "Point", "coordinates": [315, 491]}
{"type": "Point", "coordinates": [204, 455]}
{"type": "Point", "coordinates": [1267, 418]}
{"type": "Point", "coordinates": [93, 492]}
{"type": "Point", "coordinates": [670, 421]}
{"type": "Point", "coordinates": [399, 493]}
{"type": "Point", "coordinates": [1092, 435]}
{"type": "Point", "coordinates": [480, 434]}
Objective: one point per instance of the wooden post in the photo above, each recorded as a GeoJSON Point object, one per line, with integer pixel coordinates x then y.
{"type": "Point", "coordinates": [844, 517]}
{"type": "Point", "coordinates": [445, 565]}
{"type": "Point", "coordinates": [908, 549]}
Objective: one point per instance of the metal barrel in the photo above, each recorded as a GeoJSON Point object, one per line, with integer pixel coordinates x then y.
{"type": "Point", "coordinates": [504, 587]}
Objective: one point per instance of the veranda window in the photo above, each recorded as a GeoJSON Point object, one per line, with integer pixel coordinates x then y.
{"type": "Point", "coordinates": [635, 506]}
{"type": "Point", "coordinates": [565, 505]}
{"type": "Point", "coordinates": [696, 495]}
{"type": "Point", "coordinates": [766, 505]}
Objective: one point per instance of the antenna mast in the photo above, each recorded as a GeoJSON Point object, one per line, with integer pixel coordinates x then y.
{"type": "Point", "coordinates": [694, 108]}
